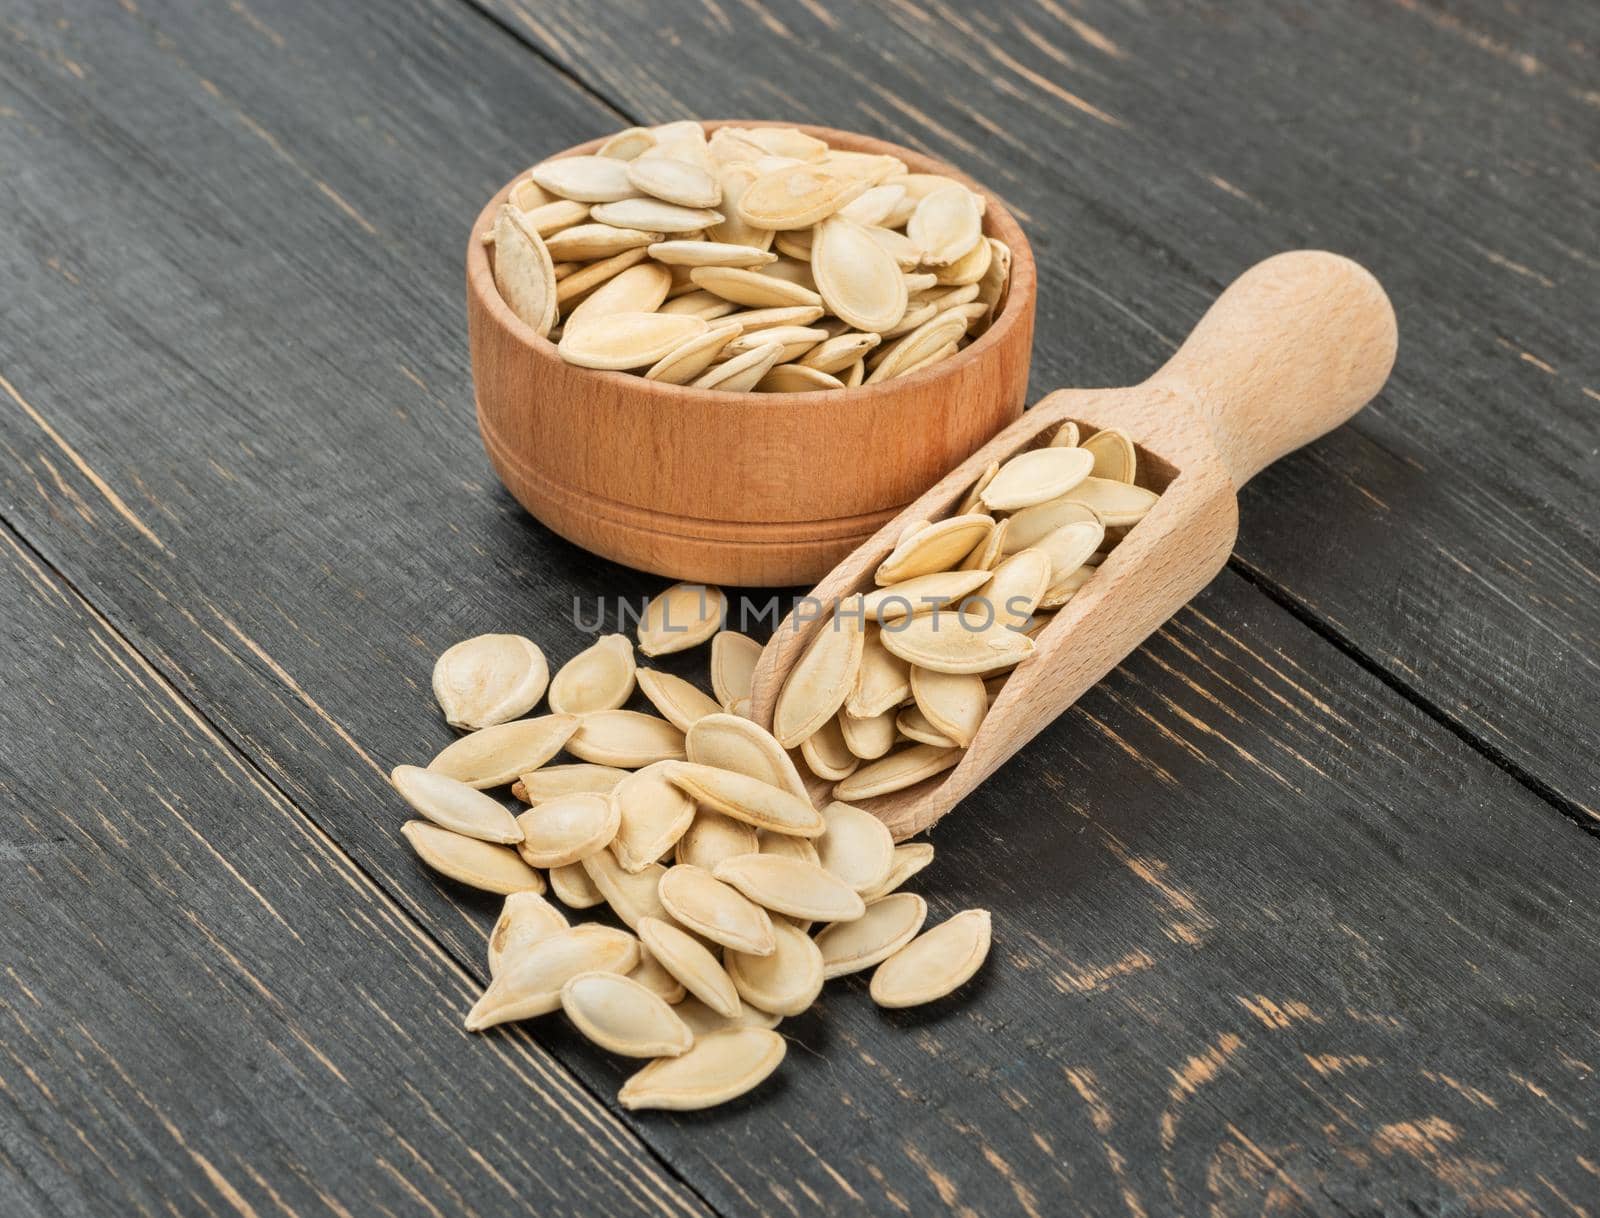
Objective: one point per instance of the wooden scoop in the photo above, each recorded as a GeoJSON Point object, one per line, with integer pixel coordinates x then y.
{"type": "Point", "coordinates": [1294, 347]}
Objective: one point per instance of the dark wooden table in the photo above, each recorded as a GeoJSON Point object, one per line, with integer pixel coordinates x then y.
{"type": "Point", "coordinates": [1296, 912]}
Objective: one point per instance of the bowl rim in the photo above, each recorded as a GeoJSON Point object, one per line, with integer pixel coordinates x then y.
{"type": "Point", "coordinates": [480, 277]}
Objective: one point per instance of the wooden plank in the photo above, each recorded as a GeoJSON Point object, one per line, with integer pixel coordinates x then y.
{"type": "Point", "coordinates": [238, 419]}
{"type": "Point", "coordinates": [1154, 154]}
{"type": "Point", "coordinates": [209, 1008]}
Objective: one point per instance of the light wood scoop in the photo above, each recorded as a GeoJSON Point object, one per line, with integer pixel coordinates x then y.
{"type": "Point", "coordinates": [1294, 347]}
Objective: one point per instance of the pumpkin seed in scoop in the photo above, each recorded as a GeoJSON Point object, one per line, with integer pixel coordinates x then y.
{"type": "Point", "coordinates": [1037, 476]}
{"type": "Point", "coordinates": [821, 680]}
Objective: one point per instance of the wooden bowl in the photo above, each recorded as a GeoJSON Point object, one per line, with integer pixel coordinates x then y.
{"type": "Point", "coordinates": [757, 489]}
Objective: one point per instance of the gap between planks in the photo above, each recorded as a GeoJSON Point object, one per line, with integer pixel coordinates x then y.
{"type": "Point", "coordinates": [263, 780]}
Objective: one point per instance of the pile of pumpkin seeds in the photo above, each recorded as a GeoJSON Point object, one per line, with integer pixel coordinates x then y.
{"type": "Point", "coordinates": [738, 896]}
{"type": "Point", "coordinates": [896, 683]}
{"type": "Point", "coordinates": [756, 259]}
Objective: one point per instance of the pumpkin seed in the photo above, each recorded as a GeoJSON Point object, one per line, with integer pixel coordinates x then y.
{"type": "Point", "coordinates": [952, 298]}
{"type": "Point", "coordinates": [584, 242]}
{"type": "Point", "coordinates": [873, 207]}
{"type": "Point", "coordinates": [712, 837]}
{"type": "Point", "coordinates": [728, 145]}
{"type": "Point", "coordinates": [696, 899]}
{"type": "Point", "coordinates": [797, 196]}
{"type": "Point", "coordinates": [795, 378]}
{"type": "Point", "coordinates": [920, 593]}
{"type": "Point", "coordinates": [631, 895]}
{"type": "Point", "coordinates": [1037, 476]}
{"type": "Point", "coordinates": [674, 181]}
{"type": "Point", "coordinates": [936, 963]}
{"type": "Point", "coordinates": [524, 920]}
{"type": "Point", "coordinates": [953, 703]}
{"type": "Point", "coordinates": [654, 814]}
{"type": "Point", "coordinates": [496, 755]}
{"type": "Point", "coordinates": [751, 320]}
{"type": "Point", "coordinates": [870, 166]}
{"type": "Point", "coordinates": [489, 679]}
{"type": "Point", "coordinates": [735, 180]}
{"type": "Point", "coordinates": [1066, 587]}
{"type": "Point", "coordinates": [792, 341]}
{"type": "Point", "coordinates": [574, 888]}
{"type": "Point", "coordinates": [701, 304]}
{"type": "Point", "coordinates": [969, 269]}
{"type": "Point", "coordinates": [628, 143]}
{"type": "Point", "coordinates": [1017, 586]}
{"type": "Point", "coordinates": [821, 679]}
{"type": "Point", "coordinates": [826, 753]}
{"type": "Point", "coordinates": [838, 353]}
{"type": "Point", "coordinates": [914, 725]}
{"type": "Point", "coordinates": [919, 283]}
{"type": "Point", "coordinates": [943, 353]}
{"type": "Point", "coordinates": [691, 964]}
{"type": "Point", "coordinates": [785, 982]}
{"type": "Point", "coordinates": [1116, 503]}
{"type": "Point", "coordinates": [1032, 525]}
{"type": "Point", "coordinates": [553, 780]}
{"type": "Point", "coordinates": [927, 340]}
{"type": "Point", "coordinates": [478, 864]}
{"type": "Point", "coordinates": [957, 641]}
{"type": "Point", "coordinates": [946, 225]}
{"type": "Point", "coordinates": [787, 142]}
{"type": "Point", "coordinates": [549, 218]}
{"type": "Point", "coordinates": [524, 274]}
{"type": "Point", "coordinates": [654, 216]}
{"type": "Point", "coordinates": [709, 253]}
{"type": "Point", "coordinates": [752, 288]}
{"type": "Point", "coordinates": [688, 360]}
{"type": "Point", "coordinates": [625, 738]}
{"type": "Point", "coordinates": [909, 858]}
{"type": "Point", "coordinates": [566, 829]}
{"type": "Point", "coordinates": [580, 283]}
{"type": "Point", "coordinates": [588, 179]}
{"type": "Point", "coordinates": [601, 677]}
{"type": "Point", "coordinates": [857, 278]}
{"type": "Point", "coordinates": [1068, 546]}
{"type": "Point", "coordinates": [987, 556]}
{"type": "Point", "coordinates": [743, 372]}
{"type": "Point", "coordinates": [854, 375]}
{"type": "Point", "coordinates": [528, 195]}
{"type": "Point", "coordinates": [992, 287]}
{"type": "Point", "coordinates": [679, 702]}
{"type": "Point", "coordinates": [532, 984]}
{"type": "Point", "coordinates": [683, 616]}
{"type": "Point", "coordinates": [702, 1020]}
{"type": "Point", "coordinates": [623, 1017]}
{"type": "Point", "coordinates": [973, 502]}
{"type": "Point", "coordinates": [722, 1066]}
{"type": "Point", "coordinates": [454, 805]}
{"type": "Point", "coordinates": [898, 246]}
{"type": "Point", "coordinates": [782, 844]}
{"type": "Point", "coordinates": [934, 548]}
{"type": "Point", "coordinates": [639, 289]}
{"type": "Point", "coordinates": [657, 980]}
{"type": "Point", "coordinates": [748, 799]}
{"type": "Point", "coordinates": [897, 771]}
{"type": "Point", "coordinates": [917, 316]}
{"type": "Point", "coordinates": [620, 341]}
{"type": "Point", "coordinates": [868, 738]}
{"type": "Point", "coordinates": [889, 924]}
{"type": "Point", "coordinates": [730, 742]}
{"type": "Point", "coordinates": [1114, 456]}
{"type": "Point", "coordinates": [883, 680]}
{"type": "Point", "coordinates": [792, 887]}
{"type": "Point", "coordinates": [733, 662]}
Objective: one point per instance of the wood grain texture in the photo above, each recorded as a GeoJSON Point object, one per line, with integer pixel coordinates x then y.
{"type": "Point", "coordinates": [210, 1009]}
{"type": "Point", "coordinates": [1264, 931]}
{"type": "Point", "coordinates": [724, 488]}
{"type": "Point", "coordinates": [1153, 151]}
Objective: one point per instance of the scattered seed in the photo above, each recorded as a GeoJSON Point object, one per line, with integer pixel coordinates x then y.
{"type": "Point", "coordinates": [704, 904]}
{"type": "Point", "coordinates": [496, 755]}
{"type": "Point", "coordinates": [731, 742]}
{"type": "Point", "coordinates": [632, 896]}
{"type": "Point", "coordinates": [748, 799]}
{"type": "Point", "coordinates": [623, 1017]}
{"type": "Point", "coordinates": [722, 1066]}
{"type": "Point", "coordinates": [532, 984]}
{"type": "Point", "coordinates": [598, 678]}
{"type": "Point", "coordinates": [691, 964]}
{"type": "Point", "coordinates": [454, 805]}
{"type": "Point", "coordinates": [524, 920]}
{"type": "Point", "coordinates": [489, 679]}
{"type": "Point", "coordinates": [478, 864]}
{"type": "Point", "coordinates": [683, 616]}
{"type": "Point", "coordinates": [625, 738]}
{"type": "Point", "coordinates": [936, 963]}
{"type": "Point", "coordinates": [653, 815]}
{"type": "Point", "coordinates": [787, 980]}
{"type": "Point", "coordinates": [889, 923]}
{"type": "Point", "coordinates": [573, 887]}
{"type": "Point", "coordinates": [553, 780]}
{"type": "Point", "coordinates": [791, 887]}
{"type": "Point", "coordinates": [897, 771]}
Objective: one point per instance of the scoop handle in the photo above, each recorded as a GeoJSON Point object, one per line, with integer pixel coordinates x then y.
{"type": "Point", "coordinates": [1291, 349]}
